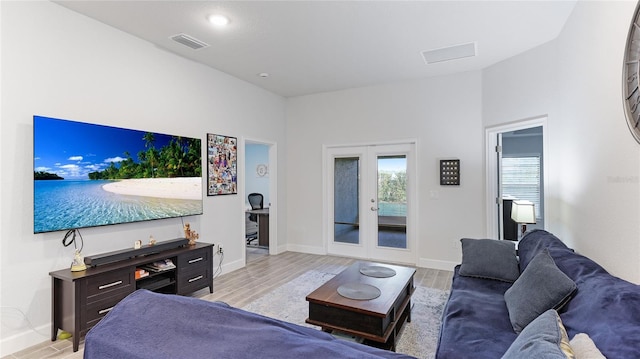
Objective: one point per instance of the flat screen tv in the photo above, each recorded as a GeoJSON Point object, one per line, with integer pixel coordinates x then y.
{"type": "Point", "coordinates": [88, 175]}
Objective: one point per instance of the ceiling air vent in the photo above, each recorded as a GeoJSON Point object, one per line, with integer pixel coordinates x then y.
{"type": "Point", "coordinates": [450, 53]}
{"type": "Point", "coordinates": [189, 41]}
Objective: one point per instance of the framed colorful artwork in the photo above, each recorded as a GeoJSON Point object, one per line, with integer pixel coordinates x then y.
{"type": "Point", "coordinates": [222, 165]}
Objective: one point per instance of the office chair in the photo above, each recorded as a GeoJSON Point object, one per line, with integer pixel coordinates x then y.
{"type": "Point", "coordinates": [256, 200]}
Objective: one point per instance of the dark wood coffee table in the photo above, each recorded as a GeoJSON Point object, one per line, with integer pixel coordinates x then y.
{"type": "Point", "coordinates": [377, 320]}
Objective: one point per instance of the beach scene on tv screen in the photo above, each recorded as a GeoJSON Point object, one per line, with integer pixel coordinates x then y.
{"type": "Point", "coordinates": [88, 175]}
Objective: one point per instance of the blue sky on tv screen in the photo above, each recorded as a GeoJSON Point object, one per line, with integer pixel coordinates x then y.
{"type": "Point", "coordinates": [73, 149]}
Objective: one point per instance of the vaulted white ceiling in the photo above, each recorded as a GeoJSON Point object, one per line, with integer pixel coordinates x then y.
{"type": "Point", "coordinates": [309, 47]}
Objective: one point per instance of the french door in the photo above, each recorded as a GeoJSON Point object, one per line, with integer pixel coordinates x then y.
{"type": "Point", "coordinates": [370, 202]}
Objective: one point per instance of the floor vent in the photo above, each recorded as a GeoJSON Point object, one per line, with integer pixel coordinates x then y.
{"type": "Point", "coordinates": [189, 41]}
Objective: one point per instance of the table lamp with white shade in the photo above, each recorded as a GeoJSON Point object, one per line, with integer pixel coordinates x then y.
{"type": "Point", "coordinates": [523, 213]}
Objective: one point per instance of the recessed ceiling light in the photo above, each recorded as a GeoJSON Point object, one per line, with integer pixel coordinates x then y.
{"type": "Point", "coordinates": [263, 74]}
{"type": "Point", "coordinates": [218, 20]}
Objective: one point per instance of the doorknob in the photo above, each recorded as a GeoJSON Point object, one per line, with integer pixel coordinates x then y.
{"type": "Point", "coordinates": [374, 208]}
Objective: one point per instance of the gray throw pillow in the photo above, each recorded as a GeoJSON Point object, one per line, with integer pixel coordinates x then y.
{"type": "Point", "coordinates": [545, 337]}
{"type": "Point", "coordinates": [490, 259]}
{"type": "Point", "coordinates": [542, 286]}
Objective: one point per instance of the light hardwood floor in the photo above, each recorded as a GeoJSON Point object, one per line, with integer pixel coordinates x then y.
{"type": "Point", "coordinates": [238, 288]}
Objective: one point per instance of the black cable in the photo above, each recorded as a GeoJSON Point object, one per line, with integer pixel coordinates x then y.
{"type": "Point", "coordinates": [218, 271]}
{"type": "Point", "coordinates": [81, 241]}
{"type": "Point", "coordinates": [72, 233]}
{"type": "Point", "coordinates": [66, 236]}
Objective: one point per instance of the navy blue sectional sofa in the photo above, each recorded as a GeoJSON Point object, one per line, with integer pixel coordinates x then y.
{"type": "Point", "coordinates": [476, 321]}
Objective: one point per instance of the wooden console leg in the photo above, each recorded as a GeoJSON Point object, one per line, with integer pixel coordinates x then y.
{"type": "Point", "coordinates": [54, 320]}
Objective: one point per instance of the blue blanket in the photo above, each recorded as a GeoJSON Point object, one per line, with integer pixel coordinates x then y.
{"type": "Point", "coordinates": [605, 307]}
{"type": "Point", "coordinates": [476, 324]}
{"type": "Point", "coordinates": [150, 325]}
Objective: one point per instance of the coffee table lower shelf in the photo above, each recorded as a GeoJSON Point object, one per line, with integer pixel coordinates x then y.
{"type": "Point", "coordinates": [377, 331]}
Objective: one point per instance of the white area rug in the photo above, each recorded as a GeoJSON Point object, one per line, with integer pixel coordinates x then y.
{"type": "Point", "coordinates": [418, 338]}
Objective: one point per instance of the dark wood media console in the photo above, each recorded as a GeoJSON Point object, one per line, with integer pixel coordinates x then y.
{"type": "Point", "coordinates": [81, 299]}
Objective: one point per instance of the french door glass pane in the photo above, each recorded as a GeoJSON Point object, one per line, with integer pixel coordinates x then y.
{"type": "Point", "coordinates": [392, 201]}
{"type": "Point", "coordinates": [346, 198]}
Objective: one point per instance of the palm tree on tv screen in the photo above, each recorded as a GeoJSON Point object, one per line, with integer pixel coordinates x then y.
{"type": "Point", "coordinates": [149, 138]}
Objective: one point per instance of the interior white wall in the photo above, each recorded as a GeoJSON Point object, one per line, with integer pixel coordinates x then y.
{"type": "Point", "coordinates": [442, 114]}
{"type": "Point", "coordinates": [594, 162]}
{"type": "Point", "coordinates": [60, 64]}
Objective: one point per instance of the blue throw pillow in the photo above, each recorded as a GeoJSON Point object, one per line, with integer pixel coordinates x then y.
{"type": "Point", "coordinates": [545, 337]}
{"type": "Point", "coordinates": [489, 259]}
{"type": "Point", "coordinates": [542, 286]}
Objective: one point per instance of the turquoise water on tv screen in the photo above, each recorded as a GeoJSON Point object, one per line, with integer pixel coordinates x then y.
{"type": "Point", "coordinates": [67, 204]}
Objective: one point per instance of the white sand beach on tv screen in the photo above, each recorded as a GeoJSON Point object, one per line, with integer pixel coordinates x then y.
{"type": "Point", "coordinates": [178, 188]}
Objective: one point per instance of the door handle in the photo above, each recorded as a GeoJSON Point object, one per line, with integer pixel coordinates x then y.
{"type": "Point", "coordinates": [374, 208]}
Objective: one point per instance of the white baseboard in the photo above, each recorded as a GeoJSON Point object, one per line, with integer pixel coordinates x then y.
{"type": "Point", "coordinates": [20, 341]}
{"type": "Point", "coordinates": [422, 262]}
{"type": "Point", "coordinates": [306, 249]}
{"type": "Point", "coordinates": [280, 249]}
{"type": "Point", "coordinates": [436, 264]}
{"type": "Point", "coordinates": [230, 267]}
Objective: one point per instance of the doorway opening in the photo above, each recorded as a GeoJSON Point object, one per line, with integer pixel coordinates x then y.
{"type": "Point", "coordinates": [259, 190]}
{"type": "Point", "coordinates": [515, 172]}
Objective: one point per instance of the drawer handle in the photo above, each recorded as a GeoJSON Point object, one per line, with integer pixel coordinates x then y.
{"type": "Point", "coordinates": [195, 279]}
{"type": "Point", "coordinates": [195, 260]}
{"type": "Point", "coordinates": [105, 286]}
{"type": "Point", "coordinates": [107, 310]}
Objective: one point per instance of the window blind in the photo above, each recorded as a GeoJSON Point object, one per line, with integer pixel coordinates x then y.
{"type": "Point", "coordinates": [521, 179]}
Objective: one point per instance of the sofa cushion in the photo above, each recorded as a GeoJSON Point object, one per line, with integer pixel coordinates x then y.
{"type": "Point", "coordinates": [489, 259]}
{"type": "Point", "coordinates": [542, 286]}
{"type": "Point", "coordinates": [545, 337]}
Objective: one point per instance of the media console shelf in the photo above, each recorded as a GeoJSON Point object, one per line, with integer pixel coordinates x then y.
{"type": "Point", "coordinates": [80, 299]}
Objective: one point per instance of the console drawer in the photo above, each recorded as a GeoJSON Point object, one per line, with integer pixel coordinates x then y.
{"type": "Point", "coordinates": [194, 280]}
{"type": "Point", "coordinates": [194, 259]}
{"type": "Point", "coordinates": [100, 308]}
{"type": "Point", "coordinates": [109, 283]}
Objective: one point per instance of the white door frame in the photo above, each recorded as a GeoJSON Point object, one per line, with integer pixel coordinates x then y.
{"type": "Point", "coordinates": [492, 190]}
{"type": "Point", "coordinates": [273, 193]}
{"type": "Point", "coordinates": [409, 255]}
